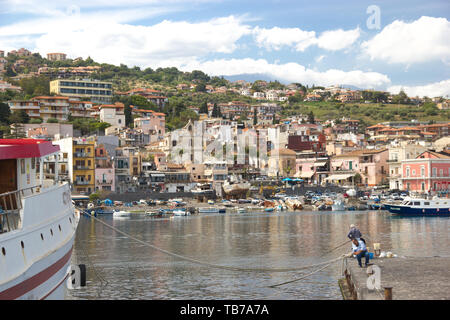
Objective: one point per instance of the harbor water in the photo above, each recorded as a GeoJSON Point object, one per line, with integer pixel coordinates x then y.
{"type": "Point", "coordinates": [121, 268]}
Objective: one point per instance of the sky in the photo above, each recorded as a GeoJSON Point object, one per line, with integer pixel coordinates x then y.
{"type": "Point", "coordinates": [378, 44]}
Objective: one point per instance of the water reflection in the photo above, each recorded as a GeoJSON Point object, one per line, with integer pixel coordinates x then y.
{"type": "Point", "coordinates": [135, 271]}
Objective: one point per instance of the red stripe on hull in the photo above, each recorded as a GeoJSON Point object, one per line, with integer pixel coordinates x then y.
{"type": "Point", "coordinates": [35, 281]}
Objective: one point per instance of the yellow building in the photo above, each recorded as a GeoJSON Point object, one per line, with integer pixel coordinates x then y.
{"type": "Point", "coordinates": [83, 166]}
{"type": "Point", "coordinates": [92, 90]}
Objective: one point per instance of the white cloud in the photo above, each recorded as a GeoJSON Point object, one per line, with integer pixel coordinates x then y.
{"type": "Point", "coordinates": [106, 40]}
{"type": "Point", "coordinates": [338, 39]}
{"type": "Point", "coordinates": [425, 39]}
{"type": "Point", "coordinates": [275, 38]}
{"type": "Point", "coordinates": [288, 72]}
{"type": "Point", "coordinates": [436, 89]}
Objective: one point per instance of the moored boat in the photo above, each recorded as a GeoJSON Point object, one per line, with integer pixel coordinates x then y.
{"type": "Point", "coordinates": [235, 186]}
{"type": "Point", "coordinates": [37, 223]}
{"type": "Point", "coordinates": [420, 207]}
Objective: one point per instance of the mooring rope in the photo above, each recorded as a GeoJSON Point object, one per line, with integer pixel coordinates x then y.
{"type": "Point", "coordinates": [210, 264]}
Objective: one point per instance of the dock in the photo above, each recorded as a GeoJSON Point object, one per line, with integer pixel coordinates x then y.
{"type": "Point", "coordinates": [402, 278]}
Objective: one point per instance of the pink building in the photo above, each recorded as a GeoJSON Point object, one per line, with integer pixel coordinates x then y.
{"type": "Point", "coordinates": [371, 165]}
{"type": "Point", "coordinates": [104, 170]}
{"type": "Point", "coordinates": [154, 123]}
{"type": "Point", "coordinates": [428, 172]}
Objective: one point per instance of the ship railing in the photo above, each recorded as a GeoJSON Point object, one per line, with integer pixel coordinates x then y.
{"type": "Point", "coordinates": [10, 206]}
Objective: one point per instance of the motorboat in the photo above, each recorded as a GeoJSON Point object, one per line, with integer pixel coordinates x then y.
{"type": "Point", "coordinates": [420, 207]}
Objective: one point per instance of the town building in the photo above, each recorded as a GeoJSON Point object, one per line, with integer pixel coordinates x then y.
{"type": "Point", "coordinates": [56, 56]}
{"type": "Point", "coordinates": [405, 151]}
{"type": "Point", "coordinates": [92, 90]}
{"type": "Point", "coordinates": [428, 172]}
{"type": "Point", "coordinates": [112, 114]}
{"type": "Point", "coordinates": [104, 170]}
{"type": "Point", "coordinates": [366, 167]}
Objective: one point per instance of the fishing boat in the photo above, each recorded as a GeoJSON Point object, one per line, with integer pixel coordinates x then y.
{"type": "Point", "coordinates": [235, 186]}
{"type": "Point", "coordinates": [269, 209]}
{"type": "Point", "coordinates": [211, 210]}
{"type": "Point", "coordinates": [153, 213]}
{"type": "Point", "coordinates": [420, 207]}
{"type": "Point", "coordinates": [241, 210]}
{"type": "Point", "coordinates": [37, 223]}
{"type": "Point", "coordinates": [203, 189]}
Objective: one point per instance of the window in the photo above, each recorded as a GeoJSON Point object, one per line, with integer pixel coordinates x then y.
{"type": "Point", "coordinates": [22, 166]}
{"type": "Point", "coordinates": [434, 172]}
{"type": "Point", "coordinates": [33, 163]}
{"type": "Point", "coordinates": [426, 203]}
{"type": "Point", "coordinates": [407, 172]}
{"type": "Point", "coordinates": [416, 203]}
{"type": "Point", "coordinates": [422, 171]}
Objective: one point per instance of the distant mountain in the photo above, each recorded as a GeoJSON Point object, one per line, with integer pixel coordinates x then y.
{"type": "Point", "coordinates": [252, 77]}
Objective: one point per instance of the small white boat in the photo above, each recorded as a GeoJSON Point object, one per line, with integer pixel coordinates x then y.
{"type": "Point", "coordinates": [181, 213]}
{"type": "Point", "coordinates": [121, 213]}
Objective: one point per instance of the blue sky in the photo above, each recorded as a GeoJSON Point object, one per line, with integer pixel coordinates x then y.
{"type": "Point", "coordinates": [320, 42]}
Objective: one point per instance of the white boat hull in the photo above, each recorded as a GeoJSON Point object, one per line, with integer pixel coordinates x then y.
{"type": "Point", "coordinates": [40, 269]}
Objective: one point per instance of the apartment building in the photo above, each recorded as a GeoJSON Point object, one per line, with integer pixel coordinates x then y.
{"type": "Point", "coordinates": [32, 108]}
{"type": "Point", "coordinates": [92, 90]}
{"type": "Point", "coordinates": [112, 113]}
{"type": "Point", "coordinates": [428, 172]}
{"type": "Point", "coordinates": [83, 166]}
{"type": "Point", "coordinates": [104, 170]}
{"type": "Point", "coordinates": [371, 165]}
{"type": "Point", "coordinates": [57, 56]}
{"type": "Point", "coordinates": [154, 124]}
{"type": "Point", "coordinates": [397, 154]}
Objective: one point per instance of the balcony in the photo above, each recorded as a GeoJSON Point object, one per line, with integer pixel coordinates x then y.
{"type": "Point", "coordinates": [82, 155]}
{"type": "Point", "coordinates": [82, 168]}
{"type": "Point", "coordinates": [104, 181]}
{"type": "Point", "coordinates": [81, 182]}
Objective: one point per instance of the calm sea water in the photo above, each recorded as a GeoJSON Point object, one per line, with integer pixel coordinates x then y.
{"type": "Point", "coordinates": [120, 268]}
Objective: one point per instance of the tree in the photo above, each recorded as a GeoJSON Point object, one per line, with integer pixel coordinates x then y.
{"type": "Point", "coordinates": [128, 116]}
{"type": "Point", "coordinates": [204, 108]}
{"type": "Point", "coordinates": [255, 117]}
{"type": "Point", "coordinates": [5, 113]}
{"type": "Point", "coordinates": [52, 120]}
{"type": "Point", "coordinates": [311, 117]}
{"type": "Point", "coordinates": [215, 111]}
{"type": "Point", "coordinates": [200, 87]}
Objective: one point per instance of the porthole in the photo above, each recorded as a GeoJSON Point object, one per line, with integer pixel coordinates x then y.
{"type": "Point", "coordinates": [42, 236]}
{"type": "Point", "coordinates": [22, 244]}
{"type": "Point", "coordinates": [3, 251]}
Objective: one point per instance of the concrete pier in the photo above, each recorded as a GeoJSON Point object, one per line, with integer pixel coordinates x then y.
{"type": "Point", "coordinates": [402, 278]}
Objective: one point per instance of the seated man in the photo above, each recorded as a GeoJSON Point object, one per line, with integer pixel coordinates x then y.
{"type": "Point", "coordinates": [360, 250]}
